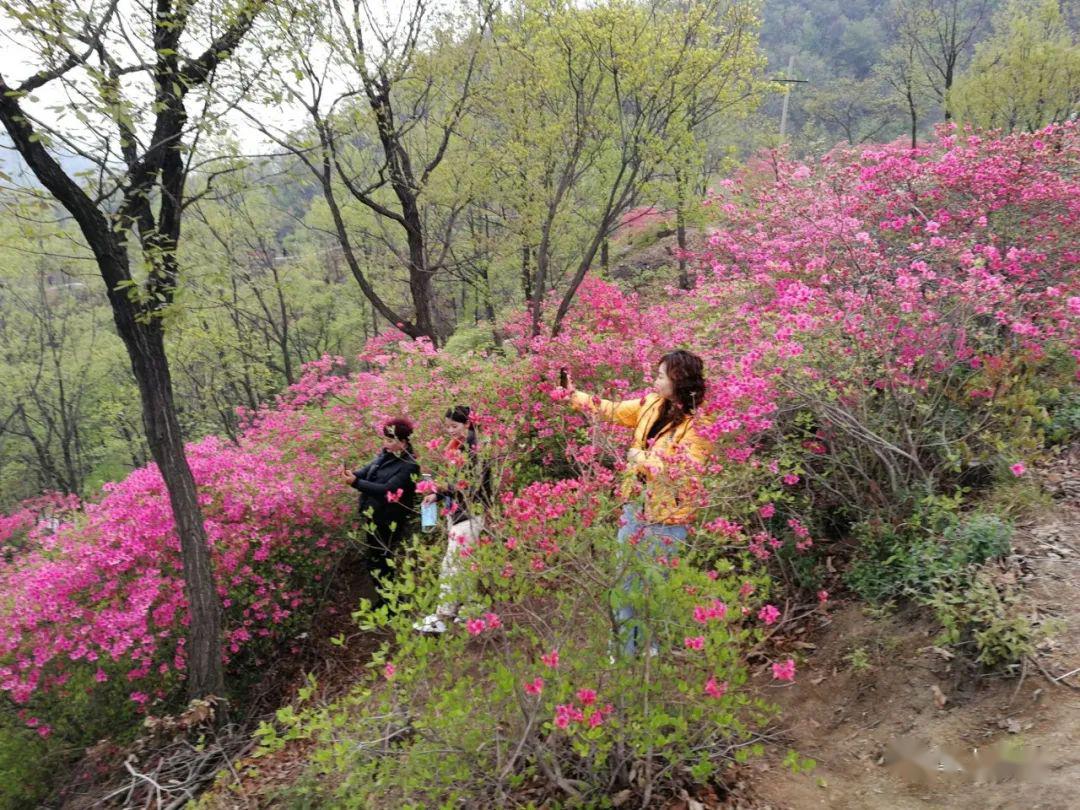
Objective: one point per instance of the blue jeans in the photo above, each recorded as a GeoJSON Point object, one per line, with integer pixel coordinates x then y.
{"type": "Point", "coordinates": [653, 540]}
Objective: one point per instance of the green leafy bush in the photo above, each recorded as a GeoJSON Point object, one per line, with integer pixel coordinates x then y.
{"type": "Point", "coordinates": [912, 560]}
{"type": "Point", "coordinates": [532, 694]}
{"type": "Point", "coordinates": [945, 571]}
{"type": "Point", "coordinates": [984, 619]}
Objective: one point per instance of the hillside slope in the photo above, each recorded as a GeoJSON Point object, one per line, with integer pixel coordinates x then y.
{"type": "Point", "coordinates": [855, 724]}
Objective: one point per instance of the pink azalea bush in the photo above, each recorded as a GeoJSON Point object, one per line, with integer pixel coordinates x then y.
{"type": "Point", "coordinates": [33, 519]}
{"type": "Point", "coordinates": [871, 327]}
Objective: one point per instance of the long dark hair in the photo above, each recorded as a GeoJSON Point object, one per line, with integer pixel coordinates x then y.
{"type": "Point", "coordinates": [462, 414]}
{"type": "Point", "coordinates": [687, 374]}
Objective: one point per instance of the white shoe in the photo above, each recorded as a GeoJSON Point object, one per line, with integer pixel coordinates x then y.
{"type": "Point", "coordinates": [430, 625]}
{"type": "Point", "coordinates": [654, 651]}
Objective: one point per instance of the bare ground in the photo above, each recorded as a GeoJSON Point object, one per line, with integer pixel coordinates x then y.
{"type": "Point", "coordinates": [917, 730]}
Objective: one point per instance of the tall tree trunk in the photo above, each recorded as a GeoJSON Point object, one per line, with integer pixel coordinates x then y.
{"type": "Point", "coordinates": [283, 332]}
{"type": "Point", "coordinates": [146, 348]}
{"type": "Point", "coordinates": [419, 275]}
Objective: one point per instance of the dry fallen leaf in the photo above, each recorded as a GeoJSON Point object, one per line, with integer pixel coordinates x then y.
{"type": "Point", "coordinates": [1011, 725]}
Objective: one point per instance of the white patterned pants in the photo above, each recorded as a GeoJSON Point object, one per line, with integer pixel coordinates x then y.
{"type": "Point", "coordinates": [454, 566]}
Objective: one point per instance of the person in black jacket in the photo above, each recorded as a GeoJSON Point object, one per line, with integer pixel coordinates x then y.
{"type": "Point", "coordinates": [466, 502]}
{"type": "Point", "coordinates": [387, 488]}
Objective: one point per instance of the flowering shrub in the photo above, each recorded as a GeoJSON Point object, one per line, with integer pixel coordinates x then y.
{"type": "Point", "coordinates": [34, 518]}
{"type": "Point", "coordinates": [901, 304]}
{"type": "Point", "coordinates": [876, 329]}
{"type": "Point", "coordinates": [533, 689]}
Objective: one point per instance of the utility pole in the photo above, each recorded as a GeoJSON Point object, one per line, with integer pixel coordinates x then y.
{"type": "Point", "coordinates": [787, 96]}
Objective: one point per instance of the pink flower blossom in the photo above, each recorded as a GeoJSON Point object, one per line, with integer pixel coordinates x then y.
{"type": "Point", "coordinates": [389, 671]}
{"type": "Point", "coordinates": [703, 614]}
{"type": "Point", "coordinates": [567, 713]}
{"type": "Point", "coordinates": [769, 614]}
{"type": "Point", "coordinates": [586, 696]}
{"type": "Point", "coordinates": [1018, 469]}
{"type": "Point", "coordinates": [714, 689]}
{"type": "Point", "coordinates": [535, 686]}
{"type": "Point", "coordinates": [784, 671]}
{"type": "Point", "coordinates": [551, 659]}
{"type": "Point", "coordinates": [694, 642]}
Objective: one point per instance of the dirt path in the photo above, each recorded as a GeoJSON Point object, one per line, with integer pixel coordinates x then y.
{"type": "Point", "coordinates": [846, 717]}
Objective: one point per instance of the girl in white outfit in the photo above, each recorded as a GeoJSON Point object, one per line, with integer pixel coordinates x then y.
{"type": "Point", "coordinates": [466, 501]}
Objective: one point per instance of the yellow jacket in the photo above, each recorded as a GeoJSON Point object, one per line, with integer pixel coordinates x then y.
{"type": "Point", "coordinates": [666, 491]}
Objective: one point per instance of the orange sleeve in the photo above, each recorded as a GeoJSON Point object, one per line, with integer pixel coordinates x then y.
{"type": "Point", "coordinates": [625, 413]}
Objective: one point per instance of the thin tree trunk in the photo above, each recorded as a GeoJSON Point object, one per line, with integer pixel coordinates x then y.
{"type": "Point", "coordinates": [526, 274]}
{"type": "Point", "coordinates": [283, 333]}
{"type": "Point", "coordinates": [680, 228]}
{"type": "Point", "coordinates": [914, 118]}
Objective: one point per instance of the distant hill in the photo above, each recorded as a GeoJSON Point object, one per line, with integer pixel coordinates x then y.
{"type": "Point", "coordinates": [12, 164]}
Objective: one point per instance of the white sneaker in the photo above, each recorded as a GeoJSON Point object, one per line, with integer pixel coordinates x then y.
{"type": "Point", "coordinates": [654, 651]}
{"type": "Point", "coordinates": [430, 625]}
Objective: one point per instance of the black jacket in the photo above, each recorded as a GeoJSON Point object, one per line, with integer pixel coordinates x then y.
{"type": "Point", "coordinates": [388, 473]}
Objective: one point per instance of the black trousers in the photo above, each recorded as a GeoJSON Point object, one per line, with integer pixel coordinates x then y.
{"type": "Point", "coordinates": [380, 544]}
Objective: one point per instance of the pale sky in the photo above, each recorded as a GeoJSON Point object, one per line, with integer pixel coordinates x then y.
{"type": "Point", "coordinates": [61, 103]}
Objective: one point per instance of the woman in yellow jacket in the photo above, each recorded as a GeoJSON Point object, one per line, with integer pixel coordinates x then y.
{"type": "Point", "coordinates": [664, 433]}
